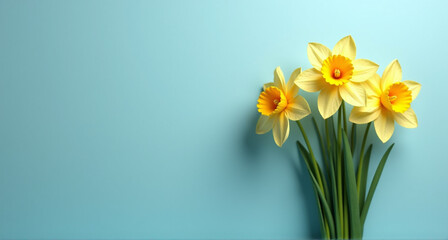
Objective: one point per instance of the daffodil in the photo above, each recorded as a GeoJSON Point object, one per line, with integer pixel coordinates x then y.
{"type": "Point", "coordinates": [278, 104]}
{"type": "Point", "coordinates": [389, 100]}
{"type": "Point", "coordinates": [337, 74]}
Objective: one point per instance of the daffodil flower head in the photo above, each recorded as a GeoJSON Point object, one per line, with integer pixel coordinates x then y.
{"type": "Point", "coordinates": [389, 101]}
{"type": "Point", "coordinates": [278, 104]}
{"type": "Point", "coordinates": [337, 74]}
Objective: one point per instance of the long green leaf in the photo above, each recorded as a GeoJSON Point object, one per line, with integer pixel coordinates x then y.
{"type": "Point", "coordinates": [326, 207]}
{"type": "Point", "coordinates": [335, 200]}
{"type": "Point", "coordinates": [305, 155]}
{"type": "Point", "coordinates": [353, 138]}
{"type": "Point", "coordinates": [325, 156]}
{"type": "Point", "coordinates": [321, 144]}
{"type": "Point", "coordinates": [326, 190]}
{"type": "Point", "coordinates": [331, 132]}
{"type": "Point", "coordinates": [344, 116]}
{"type": "Point", "coordinates": [361, 154]}
{"type": "Point", "coordinates": [318, 174]}
{"type": "Point", "coordinates": [332, 176]}
{"type": "Point", "coordinates": [363, 178]}
{"type": "Point", "coordinates": [320, 179]}
{"type": "Point", "coordinates": [339, 175]}
{"type": "Point", "coordinates": [375, 180]}
{"type": "Point", "coordinates": [352, 192]}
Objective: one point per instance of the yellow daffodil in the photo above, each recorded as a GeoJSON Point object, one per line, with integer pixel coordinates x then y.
{"type": "Point", "coordinates": [389, 100]}
{"type": "Point", "coordinates": [337, 74]}
{"type": "Point", "coordinates": [278, 103]}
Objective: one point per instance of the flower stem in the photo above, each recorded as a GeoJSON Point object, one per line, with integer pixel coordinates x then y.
{"type": "Point", "coordinates": [328, 230]}
{"type": "Point", "coordinates": [315, 167]}
{"type": "Point", "coordinates": [339, 172]}
{"type": "Point", "coordinates": [353, 138]}
{"type": "Point", "coordinates": [344, 117]}
{"type": "Point", "coordinates": [361, 189]}
{"type": "Point", "coordinates": [332, 177]}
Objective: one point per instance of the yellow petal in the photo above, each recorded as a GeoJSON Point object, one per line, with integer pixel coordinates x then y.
{"type": "Point", "coordinates": [298, 109]}
{"type": "Point", "coordinates": [294, 76]}
{"type": "Point", "coordinates": [373, 92]}
{"type": "Point", "coordinates": [317, 53]}
{"type": "Point", "coordinates": [264, 124]}
{"type": "Point", "coordinates": [384, 125]}
{"type": "Point", "coordinates": [292, 88]}
{"type": "Point", "coordinates": [353, 93]}
{"type": "Point", "coordinates": [414, 87]}
{"type": "Point", "coordinates": [407, 119]}
{"type": "Point", "coordinates": [329, 101]}
{"type": "Point", "coordinates": [311, 80]}
{"type": "Point", "coordinates": [391, 74]}
{"type": "Point", "coordinates": [373, 102]}
{"type": "Point", "coordinates": [345, 47]}
{"type": "Point", "coordinates": [270, 84]}
{"type": "Point", "coordinates": [364, 69]}
{"type": "Point", "coordinates": [372, 85]}
{"type": "Point", "coordinates": [362, 115]}
{"type": "Point", "coordinates": [279, 79]}
{"type": "Point", "coordinates": [281, 129]}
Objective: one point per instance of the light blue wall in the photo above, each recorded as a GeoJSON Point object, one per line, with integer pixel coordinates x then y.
{"type": "Point", "coordinates": [136, 119]}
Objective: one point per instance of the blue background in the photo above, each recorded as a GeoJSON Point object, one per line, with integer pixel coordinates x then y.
{"type": "Point", "coordinates": [137, 119]}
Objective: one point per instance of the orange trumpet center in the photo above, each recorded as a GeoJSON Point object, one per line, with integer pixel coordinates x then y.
{"type": "Point", "coordinates": [271, 101]}
{"type": "Point", "coordinates": [337, 70]}
{"type": "Point", "coordinates": [397, 97]}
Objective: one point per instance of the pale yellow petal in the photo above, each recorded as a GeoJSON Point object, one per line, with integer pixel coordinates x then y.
{"type": "Point", "coordinates": [279, 79]}
{"type": "Point", "coordinates": [292, 91]}
{"type": "Point", "coordinates": [373, 102]}
{"type": "Point", "coordinates": [281, 129]}
{"type": "Point", "coordinates": [311, 80]}
{"type": "Point", "coordinates": [317, 53]}
{"type": "Point", "coordinates": [362, 115]}
{"type": "Point", "coordinates": [292, 88]}
{"type": "Point", "coordinates": [329, 101]}
{"type": "Point", "coordinates": [363, 70]}
{"type": "Point", "coordinates": [391, 74]}
{"type": "Point", "coordinates": [384, 126]}
{"type": "Point", "coordinates": [353, 93]}
{"type": "Point", "coordinates": [414, 87]}
{"type": "Point", "coordinates": [372, 85]}
{"type": "Point", "coordinates": [297, 109]}
{"type": "Point", "coordinates": [373, 92]}
{"type": "Point", "coordinates": [407, 119]}
{"type": "Point", "coordinates": [293, 77]}
{"type": "Point", "coordinates": [345, 47]}
{"type": "Point", "coordinates": [270, 84]}
{"type": "Point", "coordinates": [264, 124]}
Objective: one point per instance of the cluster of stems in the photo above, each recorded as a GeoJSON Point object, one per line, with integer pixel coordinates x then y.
{"type": "Point", "coordinates": [339, 186]}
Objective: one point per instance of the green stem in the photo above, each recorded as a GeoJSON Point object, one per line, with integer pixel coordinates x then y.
{"type": "Point", "coordinates": [327, 135]}
{"type": "Point", "coordinates": [323, 224]}
{"type": "Point", "coordinates": [313, 158]}
{"type": "Point", "coordinates": [322, 146]}
{"type": "Point", "coordinates": [339, 172]}
{"type": "Point", "coordinates": [344, 117]}
{"type": "Point", "coordinates": [351, 197]}
{"type": "Point", "coordinates": [361, 189]}
{"type": "Point", "coordinates": [345, 202]}
{"type": "Point", "coordinates": [373, 185]}
{"type": "Point", "coordinates": [327, 224]}
{"type": "Point", "coordinates": [332, 179]}
{"type": "Point", "coordinates": [353, 138]}
{"type": "Point", "coordinates": [346, 223]}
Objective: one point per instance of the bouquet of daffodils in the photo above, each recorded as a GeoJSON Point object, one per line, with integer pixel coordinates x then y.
{"type": "Point", "coordinates": [340, 187]}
